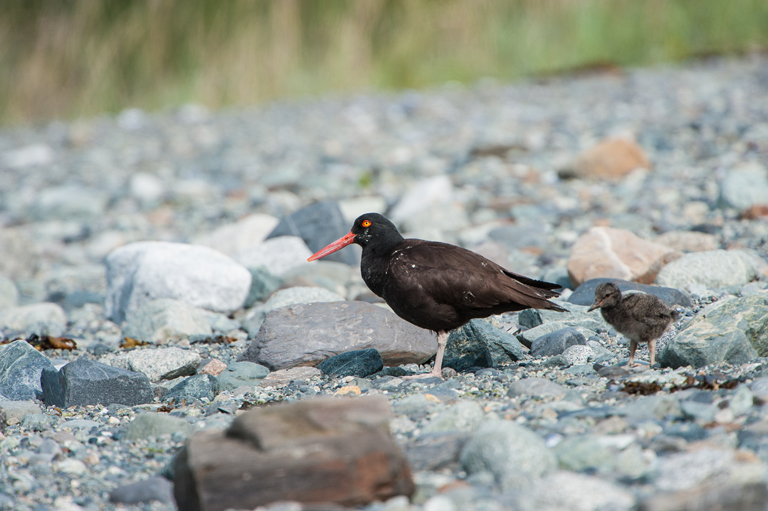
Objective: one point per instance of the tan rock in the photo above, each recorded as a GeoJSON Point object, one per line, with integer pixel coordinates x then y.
{"type": "Point", "coordinates": [286, 376]}
{"type": "Point", "coordinates": [616, 253]}
{"type": "Point", "coordinates": [214, 367]}
{"type": "Point", "coordinates": [611, 158]}
{"type": "Point", "coordinates": [688, 241]}
{"type": "Point", "coordinates": [324, 450]}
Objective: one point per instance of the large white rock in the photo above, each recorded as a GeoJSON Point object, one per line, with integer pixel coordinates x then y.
{"type": "Point", "coordinates": [278, 255]}
{"type": "Point", "coordinates": [713, 269]}
{"type": "Point", "coordinates": [148, 270]}
{"type": "Point", "coordinates": [36, 318]}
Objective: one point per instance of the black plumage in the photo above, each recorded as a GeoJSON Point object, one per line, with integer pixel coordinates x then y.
{"type": "Point", "coordinates": [434, 285]}
{"type": "Point", "coordinates": [640, 317]}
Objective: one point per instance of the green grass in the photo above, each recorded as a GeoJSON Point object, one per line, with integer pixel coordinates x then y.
{"type": "Point", "coordinates": [74, 58]}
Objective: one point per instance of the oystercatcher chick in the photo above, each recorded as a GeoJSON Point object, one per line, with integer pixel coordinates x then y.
{"type": "Point", "coordinates": [434, 285]}
{"type": "Point", "coordinates": [641, 317]}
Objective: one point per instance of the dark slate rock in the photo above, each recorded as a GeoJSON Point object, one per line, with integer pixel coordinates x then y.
{"type": "Point", "coordinates": [86, 382]}
{"type": "Point", "coordinates": [480, 344]}
{"type": "Point", "coordinates": [530, 318]}
{"type": "Point", "coordinates": [241, 373]}
{"type": "Point", "coordinates": [360, 363]}
{"type": "Point", "coordinates": [21, 366]}
{"type": "Point", "coordinates": [263, 283]}
{"type": "Point", "coordinates": [307, 334]}
{"type": "Point", "coordinates": [142, 492]}
{"type": "Point", "coordinates": [585, 293]}
{"type": "Point", "coordinates": [557, 342]}
{"type": "Point", "coordinates": [318, 225]}
{"type": "Point", "coordinates": [193, 388]}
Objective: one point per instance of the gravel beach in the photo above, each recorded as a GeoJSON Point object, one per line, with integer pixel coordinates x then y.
{"type": "Point", "coordinates": [169, 250]}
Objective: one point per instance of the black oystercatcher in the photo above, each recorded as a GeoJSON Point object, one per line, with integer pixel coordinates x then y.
{"type": "Point", "coordinates": [641, 317]}
{"type": "Point", "coordinates": [435, 285]}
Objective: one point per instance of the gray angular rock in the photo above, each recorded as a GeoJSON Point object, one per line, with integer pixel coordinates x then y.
{"type": "Point", "coordinates": [149, 270]}
{"type": "Point", "coordinates": [307, 334]}
{"type": "Point", "coordinates": [242, 373]}
{"type": "Point", "coordinates": [263, 283]}
{"type": "Point", "coordinates": [515, 455]}
{"type": "Point", "coordinates": [714, 269]}
{"type": "Point", "coordinates": [733, 330]}
{"type": "Point", "coordinates": [21, 367]}
{"type": "Point", "coordinates": [165, 320]}
{"type": "Point", "coordinates": [554, 343]}
{"type": "Point", "coordinates": [86, 382]}
{"type": "Point", "coordinates": [480, 344]}
{"type": "Point", "coordinates": [36, 318]}
{"type": "Point", "coordinates": [538, 387]}
{"type": "Point", "coordinates": [157, 489]}
{"type": "Point", "coordinates": [585, 293]}
{"type": "Point", "coordinates": [157, 364]}
{"type": "Point", "coordinates": [9, 295]}
{"type": "Point", "coordinates": [155, 424]}
{"type": "Point", "coordinates": [318, 225]}
{"type": "Point", "coordinates": [194, 388]}
{"type": "Point", "coordinates": [277, 255]}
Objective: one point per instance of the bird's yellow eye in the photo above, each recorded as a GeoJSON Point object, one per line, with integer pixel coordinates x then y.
{"type": "Point", "coordinates": [366, 223]}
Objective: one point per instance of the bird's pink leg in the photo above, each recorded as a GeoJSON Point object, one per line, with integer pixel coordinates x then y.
{"type": "Point", "coordinates": [442, 339]}
{"type": "Point", "coordinates": [632, 349]}
{"type": "Point", "coordinates": [652, 350]}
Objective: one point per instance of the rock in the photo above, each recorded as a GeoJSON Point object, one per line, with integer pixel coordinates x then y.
{"type": "Point", "coordinates": [574, 492]}
{"type": "Point", "coordinates": [538, 387]}
{"type": "Point", "coordinates": [143, 492]}
{"type": "Point", "coordinates": [360, 363]}
{"type": "Point", "coordinates": [688, 470]}
{"type": "Point", "coordinates": [165, 320]}
{"type": "Point", "coordinates": [21, 367]}
{"type": "Point", "coordinates": [253, 463]}
{"type": "Point", "coordinates": [515, 455]}
{"type": "Point", "coordinates": [526, 236]}
{"type": "Point", "coordinates": [197, 387]}
{"type": "Point", "coordinates": [480, 344]}
{"type": "Point", "coordinates": [68, 203]}
{"type": "Point", "coordinates": [318, 225]}
{"type": "Point", "coordinates": [18, 409]}
{"type": "Point", "coordinates": [263, 283]}
{"type": "Point", "coordinates": [688, 241]}
{"type": "Point", "coordinates": [146, 188]}
{"type": "Point", "coordinates": [585, 452]}
{"type": "Point", "coordinates": [36, 318]}
{"type": "Point", "coordinates": [146, 425]}
{"type": "Point", "coordinates": [436, 451]}
{"type": "Point", "coordinates": [19, 256]}
{"type": "Point", "coordinates": [238, 374]}
{"type": "Point", "coordinates": [610, 158]}
{"type": "Point", "coordinates": [577, 354]}
{"type": "Point", "coordinates": [214, 367]}
{"type": "Point", "coordinates": [286, 376]}
{"type": "Point", "coordinates": [615, 253]}
{"type": "Point", "coordinates": [744, 186]}
{"type": "Point", "coordinates": [9, 295]}
{"type": "Point", "coordinates": [556, 342]}
{"type": "Point", "coordinates": [585, 293]}
{"type": "Point", "coordinates": [276, 255]}
{"type": "Point", "coordinates": [86, 382]}
{"type": "Point", "coordinates": [714, 269]}
{"type": "Point", "coordinates": [32, 155]}
{"type": "Point", "coordinates": [427, 194]}
{"type": "Point", "coordinates": [746, 497]}
{"type": "Point", "coordinates": [353, 207]}
{"type": "Point", "coordinates": [284, 297]}
{"type": "Point", "coordinates": [157, 364]}
{"type": "Point", "coordinates": [234, 239]}
{"type": "Point", "coordinates": [733, 330]}
{"type": "Point", "coordinates": [149, 270]}
{"type": "Point", "coordinates": [307, 334]}
{"type": "Point", "coordinates": [464, 416]}
{"type": "Point", "coordinates": [659, 406]}
{"type": "Point", "coordinates": [587, 325]}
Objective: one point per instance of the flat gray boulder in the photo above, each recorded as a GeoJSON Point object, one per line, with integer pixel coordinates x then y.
{"type": "Point", "coordinates": [307, 334]}
{"type": "Point", "coordinates": [145, 271]}
{"type": "Point", "coordinates": [714, 269]}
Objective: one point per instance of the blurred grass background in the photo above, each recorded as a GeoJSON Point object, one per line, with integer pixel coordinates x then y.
{"type": "Point", "coordinates": [69, 58]}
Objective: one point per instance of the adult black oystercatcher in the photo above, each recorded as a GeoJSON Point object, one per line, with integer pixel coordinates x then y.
{"type": "Point", "coordinates": [641, 317]}
{"type": "Point", "coordinates": [435, 285]}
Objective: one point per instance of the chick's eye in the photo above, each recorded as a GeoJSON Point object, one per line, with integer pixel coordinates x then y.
{"type": "Point", "coordinates": [366, 223]}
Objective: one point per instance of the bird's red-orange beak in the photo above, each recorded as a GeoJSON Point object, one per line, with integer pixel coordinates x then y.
{"type": "Point", "coordinates": [333, 247]}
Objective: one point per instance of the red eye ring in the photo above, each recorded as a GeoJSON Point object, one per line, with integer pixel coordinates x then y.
{"type": "Point", "coordinates": [366, 223]}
